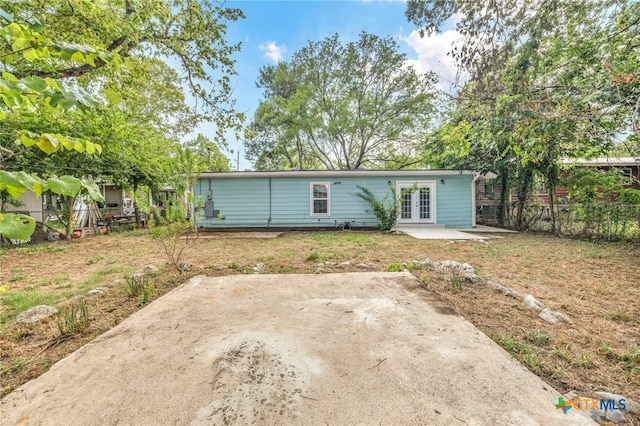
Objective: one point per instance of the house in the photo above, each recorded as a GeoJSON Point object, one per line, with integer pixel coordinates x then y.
{"type": "Point", "coordinates": [488, 189]}
{"type": "Point", "coordinates": [325, 199]}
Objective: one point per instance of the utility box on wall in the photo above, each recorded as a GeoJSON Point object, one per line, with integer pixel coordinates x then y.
{"type": "Point", "coordinates": [209, 210]}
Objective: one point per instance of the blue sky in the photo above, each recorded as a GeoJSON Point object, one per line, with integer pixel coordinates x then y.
{"type": "Point", "coordinates": [273, 30]}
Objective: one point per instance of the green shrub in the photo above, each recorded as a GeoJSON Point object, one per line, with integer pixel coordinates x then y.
{"type": "Point", "coordinates": [384, 209]}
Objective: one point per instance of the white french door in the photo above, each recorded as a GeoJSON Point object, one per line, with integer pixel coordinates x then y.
{"type": "Point", "coordinates": [417, 202]}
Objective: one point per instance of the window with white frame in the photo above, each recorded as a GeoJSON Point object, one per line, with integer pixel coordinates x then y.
{"type": "Point", "coordinates": [320, 205]}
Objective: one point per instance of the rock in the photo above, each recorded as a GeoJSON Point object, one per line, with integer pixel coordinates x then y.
{"type": "Point", "coordinates": [429, 262]}
{"type": "Point", "coordinates": [553, 317]}
{"type": "Point", "coordinates": [150, 269]}
{"type": "Point", "coordinates": [319, 265]}
{"type": "Point", "coordinates": [504, 290]}
{"type": "Point", "coordinates": [95, 292]}
{"type": "Point", "coordinates": [613, 416]}
{"type": "Point", "coordinates": [548, 315]}
{"type": "Point", "coordinates": [449, 264]}
{"type": "Point", "coordinates": [631, 406]}
{"type": "Point", "coordinates": [258, 268]}
{"type": "Point", "coordinates": [186, 267]}
{"type": "Point", "coordinates": [467, 272]}
{"type": "Point", "coordinates": [137, 275]}
{"type": "Point", "coordinates": [345, 264]}
{"type": "Point", "coordinates": [35, 314]}
{"type": "Point", "coordinates": [532, 303]}
{"type": "Point", "coordinates": [118, 282]}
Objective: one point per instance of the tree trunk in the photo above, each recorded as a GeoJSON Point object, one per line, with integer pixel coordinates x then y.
{"type": "Point", "coordinates": [68, 205]}
{"type": "Point", "coordinates": [504, 197]}
{"type": "Point", "coordinates": [525, 181]}
{"type": "Point", "coordinates": [136, 210]}
{"type": "Point", "coordinates": [552, 206]}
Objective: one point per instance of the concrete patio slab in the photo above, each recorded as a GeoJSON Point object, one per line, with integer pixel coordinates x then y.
{"type": "Point", "coordinates": [337, 349]}
{"type": "Point", "coordinates": [436, 232]}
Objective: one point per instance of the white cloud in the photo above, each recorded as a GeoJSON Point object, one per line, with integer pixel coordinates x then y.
{"type": "Point", "coordinates": [273, 51]}
{"type": "Point", "coordinates": [432, 55]}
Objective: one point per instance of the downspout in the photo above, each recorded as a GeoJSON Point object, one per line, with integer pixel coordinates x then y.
{"type": "Point", "coordinates": [476, 176]}
{"type": "Point", "coordinates": [269, 220]}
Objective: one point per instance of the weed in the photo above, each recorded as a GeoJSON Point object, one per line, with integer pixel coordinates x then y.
{"type": "Point", "coordinates": [286, 269]}
{"type": "Point", "coordinates": [240, 268]}
{"type": "Point", "coordinates": [629, 358]}
{"type": "Point", "coordinates": [16, 366]}
{"type": "Point", "coordinates": [17, 277]}
{"type": "Point", "coordinates": [535, 336]}
{"type": "Point", "coordinates": [147, 293]}
{"type": "Point", "coordinates": [399, 267]}
{"type": "Point", "coordinates": [74, 319]}
{"type": "Point", "coordinates": [313, 257]}
{"type": "Point", "coordinates": [620, 316]}
{"type": "Point", "coordinates": [456, 282]}
{"type": "Point", "coordinates": [510, 344]}
{"type": "Point", "coordinates": [134, 285]}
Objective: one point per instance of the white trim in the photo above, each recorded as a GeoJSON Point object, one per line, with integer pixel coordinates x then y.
{"type": "Point", "coordinates": [473, 202]}
{"type": "Point", "coordinates": [311, 199]}
{"type": "Point", "coordinates": [432, 185]}
{"type": "Point", "coordinates": [325, 174]}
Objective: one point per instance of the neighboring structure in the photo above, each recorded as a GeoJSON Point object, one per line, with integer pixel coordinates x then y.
{"type": "Point", "coordinates": [628, 166]}
{"type": "Point", "coordinates": [298, 199]}
{"type": "Point", "coordinates": [32, 206]}
{"type": "Point", "coordinates": [488, 189]}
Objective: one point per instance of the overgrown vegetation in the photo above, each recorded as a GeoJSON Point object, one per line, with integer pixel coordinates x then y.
{"type": "Point", "coordinates": [73, 319]}
{"type": "Point", "coordinates": [385, 209]}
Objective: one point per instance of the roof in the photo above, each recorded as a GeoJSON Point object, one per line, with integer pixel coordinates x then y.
{"type": "Point", "coordinates": [336, 173]}
{"type": "Point", "coordinates": [604, 161]}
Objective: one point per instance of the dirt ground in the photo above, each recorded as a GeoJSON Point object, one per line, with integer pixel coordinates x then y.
{"type": "Point", "coordinates": [596, 285]}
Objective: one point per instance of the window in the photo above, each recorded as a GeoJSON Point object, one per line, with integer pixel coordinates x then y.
{"type": "Point", "coordinates": [488, 187]}
{"type": "Point", "coordinates": [320, 205]}
{"type": "Point", "coordinates": [626, 177]}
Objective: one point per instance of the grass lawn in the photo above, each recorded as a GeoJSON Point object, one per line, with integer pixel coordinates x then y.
{"type": "Point", "coordinates": [596, 285]}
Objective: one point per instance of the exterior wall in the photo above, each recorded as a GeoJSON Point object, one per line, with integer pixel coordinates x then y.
{"type": "Point", "coordinates": [286, 201]}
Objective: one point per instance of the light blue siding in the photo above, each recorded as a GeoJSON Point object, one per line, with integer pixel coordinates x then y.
{"type": "Point", "coordinates": [286, 201]}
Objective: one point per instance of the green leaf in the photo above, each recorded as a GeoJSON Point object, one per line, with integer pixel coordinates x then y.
{"type": "Point", "coordinates": [35, 83]}
{"type": "Point", "coordinates": [113, 97]}
{"type": "Point", "coordinates": [78, 57]}
{"type": "Point", "coordinates": [16, 226]}
{"type": "Point", "coordinates": [9, 183]}
{"type": "Point", "coordinates": [20, 43]}
{"type": "Point", "coordinates": [9, 87]}
{"type": "Point", "coordinates": [30, 55]}
{"type": "Point", "coordinates": [32, 182]}
{"type": "Point", "coordinates": [93, 190]}
{"type": "Point", "coordinates": [65, 185]}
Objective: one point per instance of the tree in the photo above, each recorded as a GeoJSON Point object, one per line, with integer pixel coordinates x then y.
{"type": "Point", "coordinates": [190, 32]}
{"type": "Point", "coordinates": [559, 76]}
{"type": "Point", "coordinates": [23, 94]}
{"type": "Point", "coordinates": [140, 141]}
{"type": "Point", "coordinates": [341, 106]}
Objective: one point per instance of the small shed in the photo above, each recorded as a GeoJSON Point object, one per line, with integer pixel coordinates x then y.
{"type": "Point", "coordinates": [325, 199]}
